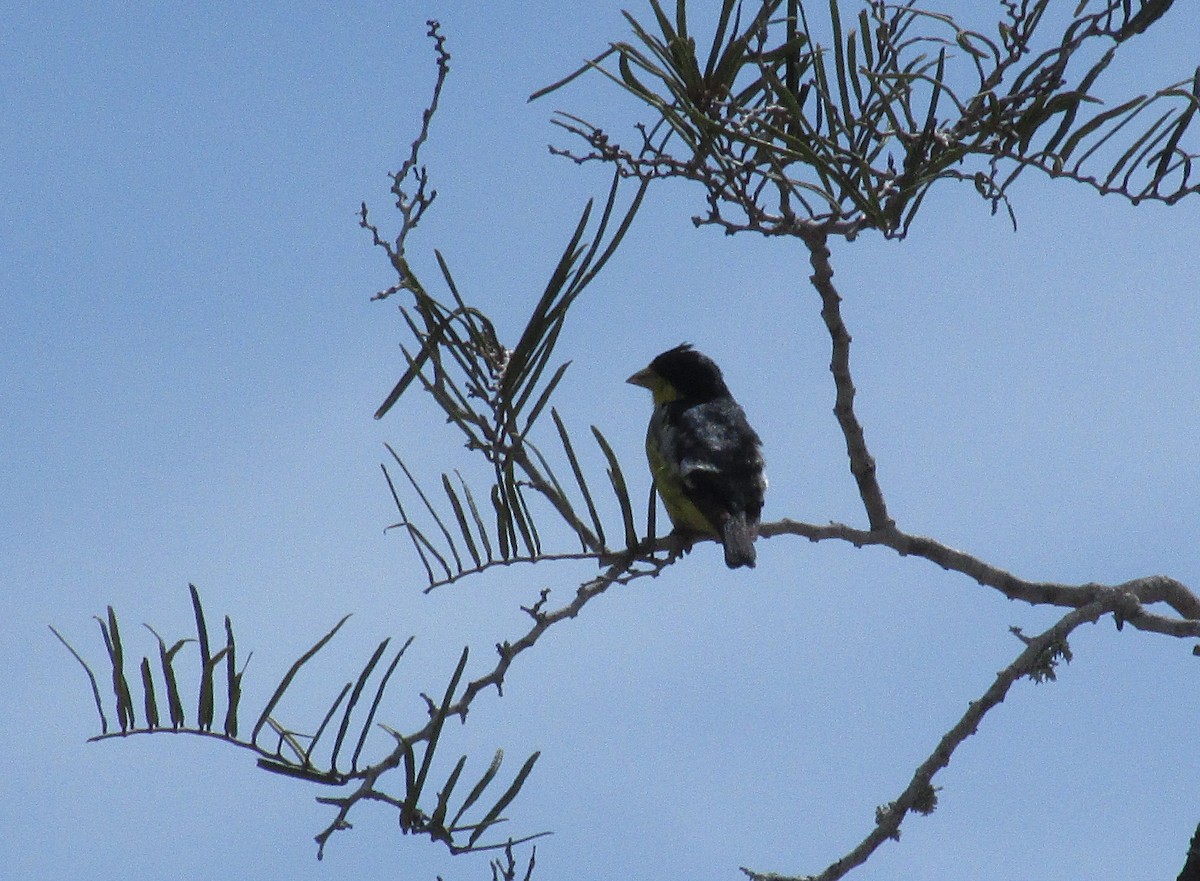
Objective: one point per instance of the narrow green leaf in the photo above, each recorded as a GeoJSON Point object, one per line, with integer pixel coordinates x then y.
{"type": "Point", "coordinates": [429, 507]}
{"type": "Point", "coordinates": [410, 772]}
{"type": "Point", "coordinates": [736, 54]}
{"type": "Point", "coordinates": [635, 203]}
{"type": "Point", "coordinates": [664, 23]}
{"type": "Point", "coordinates": [586, 539]}
{"type": "Point", "coordinates": [1179, 127]}
{"type": "Point", "coordinates": [206, 690]}
{"type": "Point", "coordinates": [1135, 147]}
{"type": "Point", "coordinates": [450, 285]}
{"type": "Point", "coordinates": [537, 365]}
{"type": "Point", "coordinates": [931, 114]}
{"type": "Point", "coordinates": [419, 536]}
{"type": "Point", "coordinates": [852, 69]}
{"type": "Point", "coordinates": [657, 47]}
{"type": "Point", "coordinates": [539, 323]}
{"type": "Point", "coordinates": [112, 642]}
{"type": "Point", "coordinates": [438, 819]}
{"type": "Point", "coordinates": [366, 726]}
{"type": "Point", "coordinates": [505, 531]}
{"type": "Point", "coordinates": [1148, 150]}
{"type": "Point", "coordinates": [505, 799]}
{"type": "Point", "coordinates": [681, 19]}
{"type": "Point", "coordinates": [480, 328]}
{"type": "Point", "coordinates": [1094, 123]}
{"type": "Point", "coordinates": [406, 818]}
{"type": "Point", "coordinates": [148, 695]}
{"type": "Point", "coordinates": [864, 35]}
{"type": "Point", "coordinates": [435, 731]}
{"type": "Point", "coordinates": [233, 683]}
{"type": "Point", "coordinates": [718, 41]}
{"type": "Point", "coordinates": [839, 59]}
{"type": "Point", "coordinates": [430, 340]}
{"type": "Point", "coordinates": [468, 353]}
{"type": "Point", "coordinates": [800, 145]}
{"type": "Point", "coordinates": [306, 754]}
{"type": "Point", "coordinates": [405, 522]}
{"type": "Point", "coordinates": [91, 679]}
{"type": "Point", "coordinates": [205, 655]}
{"type": "Point", "coordinates": [630, 79]}
{"type": "Point", "coordinates": [201, 628]}
{"type": "Point", "coordinates": [167, 660]}
{"type": "Point", "coordinates": [519, 512]}
{"type": "Point", "coordinates": [619, 488]}
{"type": "Point", "coordinates": [578, 472]}
{"type": "Point", "coordinates": [461, 517]}
{"type": "Point", "coordinates": [290, 675]}
{"type": "Point", "coordinates": [479, 787]}
{"type": "Point", "coordinates": [483, 533]}
{"type": "Point", "coordinates": [353, 701]}
{"type": "Point", "coordinates": [558, 84]}
{"type": "Point", "coordinates": [446, 392]}
{"type": "Point", "coordinates": [1067, 104]}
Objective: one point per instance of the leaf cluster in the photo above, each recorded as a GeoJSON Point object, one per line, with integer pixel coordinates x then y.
{"type": "Point", "coordinates": [790, 133]}
{"type": "Point", "coordinates": [495, 396]}
{"type": "Point", "coordinates": [341, 733]}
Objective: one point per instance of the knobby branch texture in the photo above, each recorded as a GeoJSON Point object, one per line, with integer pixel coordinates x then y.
{"type": "Point", "coordinates": [1037, 661]}
{"type": "Point", "coordinates": [862, 464]}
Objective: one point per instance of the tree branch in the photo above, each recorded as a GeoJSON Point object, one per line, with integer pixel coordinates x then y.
{"type": "Point", "coordinates": [1149, 589]}
{"type": "Point", "coordinates": [1040, 654]}
{"type": "Point", "coordinates": [862, 465]}
{"type": "Point", "coordinates": [622, 571]}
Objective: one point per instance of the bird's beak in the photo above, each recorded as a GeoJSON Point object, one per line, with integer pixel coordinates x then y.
{"type": "Point", "coordinates": [643, 377]}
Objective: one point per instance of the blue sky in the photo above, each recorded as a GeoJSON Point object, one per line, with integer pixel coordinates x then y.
{"type": "Point", "coordinates": [191, 361]}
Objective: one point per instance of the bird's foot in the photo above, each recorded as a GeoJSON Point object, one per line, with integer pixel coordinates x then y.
{"type": "Point", "coordinates": [680, 542]}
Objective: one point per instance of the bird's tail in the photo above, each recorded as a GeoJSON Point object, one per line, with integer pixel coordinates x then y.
{"type": "Point", "coordinates": [737, 536]}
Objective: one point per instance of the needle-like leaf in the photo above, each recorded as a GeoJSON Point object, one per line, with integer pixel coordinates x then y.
{"type": "Point", "coordinates": [290, 675]}
{"type": "Point", "coordinates": [91, 679]}
{"type": "Point", "coordinates": [359, 684]}
{"type": "Point", "coordinates": [504, 800]}
{"type": "Point", "coordinates": [460, 516]}
{"type": "Point", "coordinates": [435, 731]}
{"type": "Point", "coordinates": [619, 488]}
{"type": "Point", "coordinates": [578, 472]}
{"type": "Point", "coordinates": [478, 788]}
{"type": "Point", "coordinates": [366, 726]}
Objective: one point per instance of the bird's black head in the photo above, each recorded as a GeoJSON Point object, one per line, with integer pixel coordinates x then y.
{"type": "Point", "coordinates": [694, 376]}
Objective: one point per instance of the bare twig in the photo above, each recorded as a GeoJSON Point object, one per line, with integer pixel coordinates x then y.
{"type": "Point", "coordinates": [411, 205]}
{"type": "Point", "coordinates": [862, 464]}
{"type": "Point", "coordinates": [1149, 589]}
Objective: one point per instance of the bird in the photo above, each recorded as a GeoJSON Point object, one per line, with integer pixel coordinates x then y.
{"type": "Point", "coordinates": [705, 459]}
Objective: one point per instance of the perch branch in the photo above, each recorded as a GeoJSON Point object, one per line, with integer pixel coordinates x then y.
{"type": "Point", "coordinates": [1149, 589]}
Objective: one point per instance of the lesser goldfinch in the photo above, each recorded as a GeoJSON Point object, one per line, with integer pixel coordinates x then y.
{"type": "Point", "coordinates": [705, 459]}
